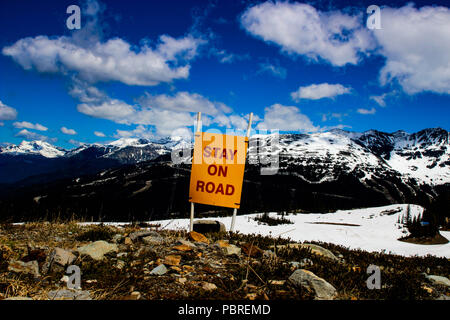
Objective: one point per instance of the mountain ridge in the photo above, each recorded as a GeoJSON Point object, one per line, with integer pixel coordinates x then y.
{"type": "Point", "coordinates": [423, 155]}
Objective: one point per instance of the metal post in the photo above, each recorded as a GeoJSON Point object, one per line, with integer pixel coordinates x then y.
{"type": "Point", "coordinates": [191, 223]}
{"type": "Point", "coordinates": [198, 129]}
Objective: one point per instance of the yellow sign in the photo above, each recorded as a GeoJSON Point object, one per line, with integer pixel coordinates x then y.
{"type": "Point", "coordinates": [218, 169]}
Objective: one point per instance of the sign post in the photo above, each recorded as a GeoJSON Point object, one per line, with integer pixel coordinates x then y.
{"type": "Point", "coordinates": [198, 129]}
{"type": "Point", "coordinates": [217, 173]}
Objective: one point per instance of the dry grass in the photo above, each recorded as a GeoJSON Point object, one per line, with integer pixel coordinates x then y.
{"type": "Point", "coordinates": [236, 278]}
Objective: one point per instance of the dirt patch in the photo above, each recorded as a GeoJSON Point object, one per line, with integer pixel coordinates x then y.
{"type": "Point", "coordinates": [337, 224]}
{"type": "Point", "coordinates": [437, 239]}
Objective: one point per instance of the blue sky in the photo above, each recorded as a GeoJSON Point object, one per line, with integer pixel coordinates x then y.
{"type": "Point", "coordinates": [144, 68]}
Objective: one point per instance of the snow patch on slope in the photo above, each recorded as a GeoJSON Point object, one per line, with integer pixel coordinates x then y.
{"type": "Point", "coordinates": [377, 229]}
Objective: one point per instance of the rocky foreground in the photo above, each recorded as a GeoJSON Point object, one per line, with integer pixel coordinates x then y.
{"type": "Point", "coordinates": [146, 262]}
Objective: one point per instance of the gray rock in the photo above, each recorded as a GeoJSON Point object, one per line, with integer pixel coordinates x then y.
{"type": "Point", "coordinates": [141, 234]}
{"type": "Point", "coordinates": [439, 280]}
{"type": "Point", "coordinates": [97, 250]}
{"type": "Point", "coordinates": [62, 257]}
{"type": "Point", "coordinates": [306, 279]}
{"type": "Point", "coordinates": [306, 262]}
{"type": "Point", "coordinates": [207, 286]}
{"type": "Point", "coordinates": [302, 263]}
{"type": "Point", "coordinates": [320, 251]}
{"type": "Point", "coordinates": [205, 226]}
{"type": "Point", "coordinates": [187, 243]}
{"type": "Point", "coordinates": [117, 238]}
{"type": "Point", "coordinates": [153, 240]}
{"type": "Point", "coordinates": [18, 298]}
{"type": "Point", "coordinates": [31, 267]}
{"type": "Point", "coordinates": [159, 270]}
{"type": "Point", "coordinates": [231, 249]}
{"type": "Point", "coordinates": [66, 294]}
{"type": "Point", "coordinates": [315, 249]}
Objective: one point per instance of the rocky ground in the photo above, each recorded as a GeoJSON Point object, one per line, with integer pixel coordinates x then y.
{"type": "Point", "coordinates": [133, 262]}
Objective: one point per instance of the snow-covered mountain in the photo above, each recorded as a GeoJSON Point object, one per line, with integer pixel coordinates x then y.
{"type": "Point", "coordinates": [422, 157]}
{"type": "Point", "coordinates": [125, 150]}
{"type": "Point", "coordinates": [42, 148]}
{"type": "Point", "coordinates": [319, 172]}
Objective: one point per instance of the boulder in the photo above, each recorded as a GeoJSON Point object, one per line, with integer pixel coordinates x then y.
{"type": "Point", "coordinates": [305, 279]}
{"type": "Point", "coordinates": [62, 257]}
{"type": "Point", "coordinates": [320, 251]}
{"type": "Point", "coordinates": [31, 267]}
{"type": "Point", "coordinates": [439, 280]}
{"type": "Point", "coordinates": [141, 234]}
{"type": "Point", "coordinates": [154, 239]}
{"type": "Point", "coordinates": [205, 226]}
{"type": "Point", "coordinates": [315, 249]}
{"type": "Point", "coordinates": [97, 250]}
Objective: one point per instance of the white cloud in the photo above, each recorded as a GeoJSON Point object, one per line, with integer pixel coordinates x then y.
{"type": "Point", "coordinates": [114, 59]}
{"type": "Point", "coordinates": [339, 126]}
{"type": "Point", "coordinates": [276, 71]}
{"type": "Point", "coordinates": [33, 136]}
{"type": "Point", "coordinates": [68, 131]}
{"type": "Point", "coordinates": [319, 91]}
{"type": "Point", "coordinates": [285, 118]}
{"type": "Point", "coordinates": [7, 113]}
{"type": "Point", "coordinates": [165, 112]}
{"type": "Point", "coordinates": [75, 142]}
{"type": "Point", "coordinates": [184, 101]}
{"type": "Point", "coordinates": [99, 134]}
{"type": "Point", "coordinates": [140, 132]}
{"type": "Point", "coordinates": [380, 99]}
{"type": "Point", "coordinates": [300, 29]}
{"type": "Point", "coordinates": [416, 44]}
{"type": "Point", "coordinates": [111, 109]}
{"type": "Point", "coordinates": [1, 124]}
{"type": "Point", "coordinates": [333, 115]}
{"type": "Point", "coordinates": [29, 125]}
{"type": "Point", "coordinates": [366, 111]}
{"type": "Point", "coordinates": [227, 57]}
